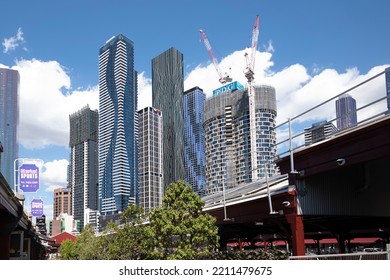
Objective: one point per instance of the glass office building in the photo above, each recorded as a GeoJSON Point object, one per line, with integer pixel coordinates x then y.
{"type": "Point", "coordinates": [118, 120]}
{"type": "Point", "coordinates": [83, 168]}
{"type": "Point", "coordinates": [167, 96]}
{"type": "Point", "coordinates": [194, 157]}
{"type": "Point", "coordinates": [150, 166]}
{"type": "Point", "coordinates": [9, 122]}
{"type": "Point", "coordinates": [227, 138]}
{"type": "Point", "coordinates": [346, 112]}
{"type": "Point", "coordinates": [387, 77]}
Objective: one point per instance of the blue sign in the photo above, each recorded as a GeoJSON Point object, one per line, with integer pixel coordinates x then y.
{"type": "Point", "coordinates": [227, 88]}
{"type": "Point", "coordinates": [29, 178]}
{"type": "Point", "coordinates": [37, 207]}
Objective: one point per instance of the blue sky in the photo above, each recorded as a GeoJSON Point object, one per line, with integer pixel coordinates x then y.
{"type": "Point", "coordinates": [310, 49]}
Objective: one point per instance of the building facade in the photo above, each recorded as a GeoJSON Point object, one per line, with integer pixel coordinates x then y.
{"type": "Point", "coordinates": [62, 202]}
{"type": "Point", "coordinates": [319, 131]}
{"type": "Point", "coordinates": [194, 156]}
{"type": "Point", "coordinates": [387, 78]}
{"type": "Point", "coordinates": [227, 138]}
{"type": "Point", "coordinates": [117, 126]}
{"type": "Point", "coordinates": [346, 112]}
{"type": "Point", "coordinates": [167, 96]}
{"type": "Point", "coordinates": [83, 166]}
{"type": "Point", "coordinates": [9, 122]}
{"type": "Point", "coordinates": [150, 160]}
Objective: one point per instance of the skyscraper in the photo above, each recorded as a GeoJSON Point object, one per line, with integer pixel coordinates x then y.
{"type": "Point", "coordinates": [227, 138]}
{"type": "Point", "coordinates": [387, 77]}
{"type": "Point", "coordinates": [62, 202]}
{"type": "Point", "coordinates": [319, 131]}
{"type": "Point", "coordinates": [167, 95]}
{"type": "Point", "coordinates": [117, 126]}
{"type": "Point", "coordinates": [83, 162]}
{"type": "Point", "coordinates": [150, 166]}
{"type": "Point", "coordinates": [346, 112]}
{"type": "Point", "coordinates": [9, 121]}
{"type": "Point", "coordinates": [194, 157]}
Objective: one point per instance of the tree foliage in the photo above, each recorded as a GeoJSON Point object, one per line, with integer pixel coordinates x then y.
{"type": "Point", "coordinates": [125, 241]}
{"type": "Point", "coordinates": [179, 229]}
{"type": "Point", "coordinates": [68, 250]}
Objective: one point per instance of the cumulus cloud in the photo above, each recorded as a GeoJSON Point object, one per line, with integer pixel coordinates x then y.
{"type": "Point", "coordinates": [44, 108]}
{"type": "Point", "coordinates": [13, 42]}
{"type": "Point", "coordinates": [47, 98]}
{"type": "Point", "coordinates": [54, 174]}
{"type": "Point", "coordinates": [144, 91]}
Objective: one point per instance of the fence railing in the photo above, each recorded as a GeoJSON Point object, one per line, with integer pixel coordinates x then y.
{"type": "Point", "coordinates": [372, 102]}
{"type": "Point", "coordinates": [385, 255]}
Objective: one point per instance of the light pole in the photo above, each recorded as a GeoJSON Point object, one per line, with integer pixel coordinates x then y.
{"type": "Point", "coordinates": [224, 203]}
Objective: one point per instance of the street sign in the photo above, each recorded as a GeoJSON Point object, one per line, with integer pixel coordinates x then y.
{"type": "Point", "coordinates": [29, 178]}
{"type": "Point", "coordinates": [37, 207]}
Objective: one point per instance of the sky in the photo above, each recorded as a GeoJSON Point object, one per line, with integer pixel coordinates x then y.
{"type": "Point", "coordinates": [308, 50]}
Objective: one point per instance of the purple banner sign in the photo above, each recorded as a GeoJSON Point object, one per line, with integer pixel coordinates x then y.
{"type": "Point", "coordinates": [29, 178]}
{"type": "Point", "coordinates": [37, 207]}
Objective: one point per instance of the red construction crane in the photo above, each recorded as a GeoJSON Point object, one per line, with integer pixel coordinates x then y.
{"type": "Point", "coordinates": [222, 78]}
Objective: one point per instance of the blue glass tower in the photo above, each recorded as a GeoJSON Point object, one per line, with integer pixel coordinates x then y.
{"type": "Point", "coordinates": [117, 126]}
{"type": "Point", "coordinates": [9, 122]}
{"type": "Point", "coordinates": [346, 112]}
{"type": "Point", "coordinates": [387, 77]}
{"type": "Point", "coordinates": [194, 156]}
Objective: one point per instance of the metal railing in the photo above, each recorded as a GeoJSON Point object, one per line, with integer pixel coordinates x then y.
{"type": "Point", "coordinates": [371, 103]}
{"type": "Point", "coordinates": [385, 255]}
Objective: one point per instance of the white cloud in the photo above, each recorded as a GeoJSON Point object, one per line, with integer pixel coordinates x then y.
{"type": "Point", "coordinates": [14, 41]}
{"type": "Point", "coordinates": [144, 91]}
{"type": "Point", "coordinates": [54, 174]}
{"type": "Point", "coordinates": [44, 109]}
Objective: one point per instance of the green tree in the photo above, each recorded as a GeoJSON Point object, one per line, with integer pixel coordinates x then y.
{"type": "Point", "coordinates": [179, 229]}
{"type": "Point", "coordinates": [124, 242]}
{"type": "Point", "coordinates": [87, 244]}
{"type": "Point", "coordinates": [68, 250]}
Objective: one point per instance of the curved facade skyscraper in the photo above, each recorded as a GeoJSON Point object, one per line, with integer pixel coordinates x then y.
{"type": "Point", "coordinates": [117, 126]}
{"type": "Point", "coordinates": [9, 122]}
{"type": "Point", "coordinates": [227, 138]}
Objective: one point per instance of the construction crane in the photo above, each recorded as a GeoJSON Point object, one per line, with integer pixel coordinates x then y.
{"type": "Point", "coordinates": [249, 74]}
{"type": "Point", "coordinates": [250, 63]}
{"type": "Point", "coordinates": [222, 78]}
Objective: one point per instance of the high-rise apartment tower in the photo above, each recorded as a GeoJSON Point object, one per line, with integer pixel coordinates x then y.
{"type": "Point", "coordinates": [150, 165]}
{"type": "Point", "coordinates": [227, 138]}
{"type": "Point", "coordinates": [117, 126]}
{"type": "Point", "coordinates": [167, 96]}
{"type": "Point", "coordinates": [83, 162]}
